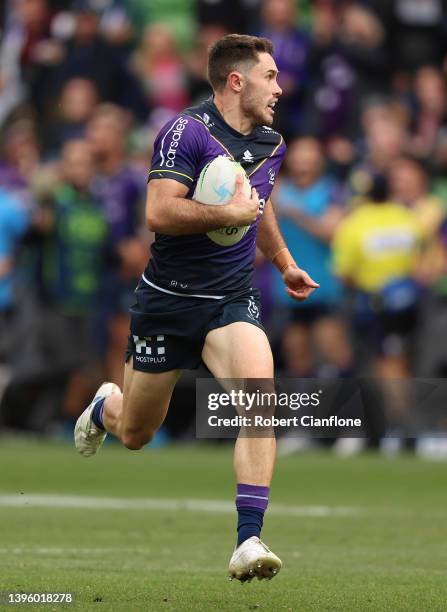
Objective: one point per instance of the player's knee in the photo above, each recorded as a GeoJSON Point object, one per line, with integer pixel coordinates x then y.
{"type": "Point", "coordinates": [136, 440]}
{"type": "Point", "coordinates": [264, 394]}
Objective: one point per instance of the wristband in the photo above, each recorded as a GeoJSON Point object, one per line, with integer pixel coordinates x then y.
{"type": "Point", "coordinates": [283, 259]}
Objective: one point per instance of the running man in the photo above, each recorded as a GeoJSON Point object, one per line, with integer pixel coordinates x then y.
{"type": "Point", "coordinates": [195, 302]}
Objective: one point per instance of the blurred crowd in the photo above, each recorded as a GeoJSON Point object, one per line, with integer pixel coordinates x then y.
{"type": "Point", "coordinates": [85, 85]}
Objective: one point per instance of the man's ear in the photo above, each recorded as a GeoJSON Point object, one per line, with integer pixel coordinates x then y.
{"type": "Point", "coordinates": [235, 81]}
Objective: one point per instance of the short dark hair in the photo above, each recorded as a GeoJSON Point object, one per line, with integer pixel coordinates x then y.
{"type": "Point", "coordinates": [232, 50]}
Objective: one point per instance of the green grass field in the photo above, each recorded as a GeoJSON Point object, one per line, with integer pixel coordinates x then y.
{"type": "Point", "coordinates": [359, 534]}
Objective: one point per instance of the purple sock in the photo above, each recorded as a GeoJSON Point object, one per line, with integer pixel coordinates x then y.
{"type": "Point", "coordinates": [97, 413]}
{"type": "Point", "coordinates": [251, 503]}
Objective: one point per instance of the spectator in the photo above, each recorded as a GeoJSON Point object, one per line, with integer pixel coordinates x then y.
{"type": "Point", "coordinates": [292, 44]}
{"type": "Point", "coordinates": [416, 33]}
{"type": "Point", "coordinates": [74, 234]}
{"type": "Point", "coordinates": [161, 69]}
{"type": "Point", "coordinates": [431, 349]}
{"type": "Point", "coordinates": [385, 139]}
{"type": "Point", "coordinates": [14, 220]}
{"type": "Point", "coordinates": [376, 248]}
{"type": "Point", "coordinates": [31, 50]}
{"type": "Point", "coordinates": [309, 213]}
{"type": "Point", "coordinates": [197, 62]}
{"type": "Point", "coordinates": [348, 61]}
{"type": "Point", "coordinates": [431, 112]}
{"type": "Point", "coordinates": [87, 54]}
{"type": "Point", "coordinates": [20, 159]}
{"type": "Point", "coordinates": [410, 185]}
{"type": "Point", "coordinates": [120, 191]}
{"type": "Point", "coordinates": [77, 102]}
{"type": "Point", "coordinates": [233, 15]}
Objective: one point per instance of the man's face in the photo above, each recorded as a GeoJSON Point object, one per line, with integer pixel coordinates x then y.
{"type": "Point", "coordinates": [305, 161]}
{"type": "Point", "coordinates": [260, 91]}
{"type": "Point", "coordinates": [77, 163]}
{"type": "Point", "coordinates": [105, 135]}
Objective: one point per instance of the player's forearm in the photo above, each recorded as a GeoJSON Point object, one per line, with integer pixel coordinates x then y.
{"type": "Point", "coordinates": [269, 238]}
{"type": "Point", "coordinates": [180, 216]}
{"type": "Point", "coordinates": [270, 241]}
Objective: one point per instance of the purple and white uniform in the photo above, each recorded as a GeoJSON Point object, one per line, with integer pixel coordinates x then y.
{"type": "Point", "coordinates": [194, 264]}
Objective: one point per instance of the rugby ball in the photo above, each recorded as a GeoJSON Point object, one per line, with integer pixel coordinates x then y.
{"type": "Point", "coordinates": [216, 186]}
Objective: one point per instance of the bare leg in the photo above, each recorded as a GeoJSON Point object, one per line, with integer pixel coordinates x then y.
{"type": "Point", "coordinates": [297, 350]}
{"type": "Point", "coordinates": [135, 415]}
{"type": "Point", "coordinates": [236, 351]}
{"type": "Point", "coordinates": [332, 339]}
{"type": "Point", "coordinates": [241, 350]}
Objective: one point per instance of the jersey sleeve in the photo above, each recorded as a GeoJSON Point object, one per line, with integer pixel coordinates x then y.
{"type": "Point", "coordinates": [178, 150]}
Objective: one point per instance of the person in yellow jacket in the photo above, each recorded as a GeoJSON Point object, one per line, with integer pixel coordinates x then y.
{"type": "Point", "coordinates": [375, 250]}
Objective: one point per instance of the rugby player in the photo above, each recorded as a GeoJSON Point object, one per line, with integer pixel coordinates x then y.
{"type": "Point", "coordinates": [195, 302]}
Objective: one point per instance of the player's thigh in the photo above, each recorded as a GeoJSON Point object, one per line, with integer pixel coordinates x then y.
{"type": "Point", "coordinates": [146, 399]}
{"type": "Point", "coordinates": [238, 350]}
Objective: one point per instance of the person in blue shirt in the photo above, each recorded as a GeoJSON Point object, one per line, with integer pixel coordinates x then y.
{"type": "Point", "coordinates": [307, 205]}
{"type": "Point", "coordinates": [14, 221]}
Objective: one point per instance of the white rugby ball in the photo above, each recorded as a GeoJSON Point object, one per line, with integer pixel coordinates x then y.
{"type": "Point", "coordinates": [216, 185]}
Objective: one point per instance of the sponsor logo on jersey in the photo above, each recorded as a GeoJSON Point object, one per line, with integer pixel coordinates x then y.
{"type": "Point", "coordinates": [272, 176]}
{"type": "Point", "coordinates": [176, 133]}
{"type": "Point", "coordinates": [247, 156]}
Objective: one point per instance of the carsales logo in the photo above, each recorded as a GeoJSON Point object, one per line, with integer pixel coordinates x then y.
{"type": "Point", "coordinates": [176, 135]}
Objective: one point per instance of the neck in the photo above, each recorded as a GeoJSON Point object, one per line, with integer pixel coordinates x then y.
{"type": "Point", "coordinates": [110, 163]}
{"type": "Point", "coordinates": [231, 111]}
{"type": "Point", "coordinates": [304, 182]}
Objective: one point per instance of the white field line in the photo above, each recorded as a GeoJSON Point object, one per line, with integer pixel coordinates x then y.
{"type": "Point", "coordinates": [191, 505]}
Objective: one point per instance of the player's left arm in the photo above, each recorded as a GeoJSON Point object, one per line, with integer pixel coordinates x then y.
{"type": "Point", "coordinates": [299, 284]}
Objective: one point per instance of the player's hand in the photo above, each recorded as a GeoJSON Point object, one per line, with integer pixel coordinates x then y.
{"type": "Point", "coordinates": [299, 285]}
{"type": "Point", "coordinates": [242, 210]}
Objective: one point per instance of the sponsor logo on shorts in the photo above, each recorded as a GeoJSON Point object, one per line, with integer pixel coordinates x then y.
{"type": "Point", "coordinates": [149, 349]}
{"type": "Point", "coordinates": [176, 133]}
{"type": "Point", "coordinates": [253, 309]}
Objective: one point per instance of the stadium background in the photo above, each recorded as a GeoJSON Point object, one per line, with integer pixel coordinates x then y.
{"type": "Point", "coordinates": [84, 88]}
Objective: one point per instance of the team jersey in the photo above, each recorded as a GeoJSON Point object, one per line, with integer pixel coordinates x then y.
{"type": "Point", "coordinates": [194, 264]}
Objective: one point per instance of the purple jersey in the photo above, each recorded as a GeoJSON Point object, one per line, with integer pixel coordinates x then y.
{"type": "Point", "coordinates": [195, 264]}
{"type": "Point", "coordinates": [120, 196]}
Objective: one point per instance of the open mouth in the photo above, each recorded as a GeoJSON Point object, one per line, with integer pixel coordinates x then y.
{"type": "Point", "coordinates": [271, 106]}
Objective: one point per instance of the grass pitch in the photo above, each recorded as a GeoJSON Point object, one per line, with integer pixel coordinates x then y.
{"type": "Point", "coordinates": [359, 534]}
